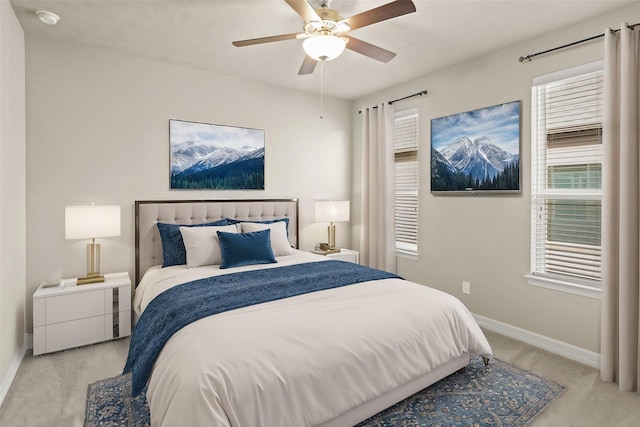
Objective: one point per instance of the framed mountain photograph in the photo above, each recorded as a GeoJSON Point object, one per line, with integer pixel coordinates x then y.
{"type": "Point", "coordinates": [477, 151]}
{"type": "Point", "coordinates": [215, 157]}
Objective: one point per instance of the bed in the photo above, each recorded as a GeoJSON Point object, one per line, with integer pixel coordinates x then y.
{"type": "Point", "coordinates": [328, 358]}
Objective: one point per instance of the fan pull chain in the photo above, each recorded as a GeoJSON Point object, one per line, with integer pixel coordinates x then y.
{"type": "Point", "coordinates": [321, 88]}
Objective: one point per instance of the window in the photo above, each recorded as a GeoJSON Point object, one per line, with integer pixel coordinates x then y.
{"type": "Point", "coordinates": [566, 173]}
{"type": "Point", "coordinates": [406, 176]}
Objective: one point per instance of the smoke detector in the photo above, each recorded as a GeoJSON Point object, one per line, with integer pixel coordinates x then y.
{"type": "Point", "coordinates": [47, 17]}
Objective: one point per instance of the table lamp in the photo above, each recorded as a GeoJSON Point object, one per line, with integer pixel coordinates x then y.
{"type": "Point", "coordinates": [91, 222]}
{"type": "Point", "coordinates": [332, 211]}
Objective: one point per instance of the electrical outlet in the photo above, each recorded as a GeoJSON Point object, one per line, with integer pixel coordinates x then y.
{"type": "Point", "coordinates": [466, 287]}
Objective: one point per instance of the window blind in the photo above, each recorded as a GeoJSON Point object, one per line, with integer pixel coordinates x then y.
{"type": "Point", "coordinates": [567, 178]}
{"type": "Point", "coordinates": [406, 180]}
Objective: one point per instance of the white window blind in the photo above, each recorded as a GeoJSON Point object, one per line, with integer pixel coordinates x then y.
{"type": "Point", "coordinates": [567, 178]}
{"type": "Point", "coordinates": [406, 181]}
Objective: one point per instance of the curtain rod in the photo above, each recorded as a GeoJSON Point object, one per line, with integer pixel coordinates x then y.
{"type": "Point", "coordinates": [422, 92]}
{"type": "Point", "coordinates": [588, 39]}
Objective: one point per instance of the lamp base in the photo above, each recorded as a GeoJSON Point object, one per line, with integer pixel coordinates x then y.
{"type": "Point", "coordinates": [93, 265]}
{"type": "Point", "coordinates": [90, 279]}
{"type": "Point", "coordinates": [332, 236]}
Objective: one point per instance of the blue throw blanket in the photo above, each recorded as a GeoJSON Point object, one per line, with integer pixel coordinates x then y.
{"type": "Point", "coordinates": [179, 306]}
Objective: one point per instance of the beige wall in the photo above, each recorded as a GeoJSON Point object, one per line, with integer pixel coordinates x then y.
{"type": "Point", "coordinates": [486, 239]}
{"type": "Point", "coordinates": [12, 193]}
{"type": "Point", "coordinates": [98, 131]}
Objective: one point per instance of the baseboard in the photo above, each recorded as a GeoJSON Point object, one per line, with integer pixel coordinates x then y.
{"type": "Point", "coordinates": [561, 348]}
{"type": "Point", "coordinates": [13, 370]}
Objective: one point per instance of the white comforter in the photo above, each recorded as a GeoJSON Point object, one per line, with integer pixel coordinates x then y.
{"type": "Point", "coordinates": [304, 360]}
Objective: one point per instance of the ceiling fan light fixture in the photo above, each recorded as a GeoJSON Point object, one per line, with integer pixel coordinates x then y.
{"type": "Point", "coordinates": [324, 47]}
{"type": "Point", "coordinates": [342, 27]}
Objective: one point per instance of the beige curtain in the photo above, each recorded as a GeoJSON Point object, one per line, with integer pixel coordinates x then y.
{"type": "Point", "coordinates": [620, 317]}
{"type": "Point", "coordinates": [377, 239]}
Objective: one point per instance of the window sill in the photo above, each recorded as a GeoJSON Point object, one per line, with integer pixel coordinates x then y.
{"type": "Point", "coordinates": [407, 254]}
{"type": "Point", "coordinates": [407, 250]}
{"type": "Point", "coordinates": [556, 284]}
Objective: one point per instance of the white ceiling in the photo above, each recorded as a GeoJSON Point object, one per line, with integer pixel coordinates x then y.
{"type": "Point", "coordinates": [198, 34]}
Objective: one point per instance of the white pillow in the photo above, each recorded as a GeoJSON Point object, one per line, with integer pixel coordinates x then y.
{"type": "Point", "coordinates": [279, 241]}
{"type": "Point", "coordinates": [202, 244]}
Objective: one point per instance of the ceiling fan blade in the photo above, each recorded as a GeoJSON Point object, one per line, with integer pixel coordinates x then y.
{"type": "Point", "coordinates": [260, 40]}
{"type": "Point", "coordinates": [370, 50]}
{"type": "Point", "coordinates": [308, 66]}
{"type": "Point", "coordinates": [382, 13]}
{"type": "Point", "coordinates": [304, 9]}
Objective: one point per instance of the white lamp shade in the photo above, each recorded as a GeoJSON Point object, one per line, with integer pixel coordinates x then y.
{"type": "Point", "coordinates": [92, 221]}
{"type": "Point", "coordinates": [324, 47]}
{"type": "Point", "coordinates": [332, 211]}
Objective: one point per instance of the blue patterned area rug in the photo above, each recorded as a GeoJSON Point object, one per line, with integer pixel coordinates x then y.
{"type": "Point", "coordinates": [497, 395]}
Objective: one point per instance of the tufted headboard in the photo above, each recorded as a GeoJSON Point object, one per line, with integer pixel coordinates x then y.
{"type": "Point", "coordinates": [148, 245]}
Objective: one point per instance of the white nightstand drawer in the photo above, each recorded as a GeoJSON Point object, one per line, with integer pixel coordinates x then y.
{"type": "Point", "coordinates": [75, 315]}
{"type": "Point", "coordinates": [125, 323]}
{"type": "Point", "coordinates": [124, 299]}
{"type": "Point", "coordinates": [74, 306]}
{"type": "Point", "coordinates": [39, 312]}
{"type": "Point", "coordinates": [75, 333]}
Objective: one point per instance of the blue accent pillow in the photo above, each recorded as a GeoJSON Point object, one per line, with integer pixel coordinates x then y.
{"type": "Point", "coordinates": [173, 250]}
{"type": "Point", "coordinates": [240, 249]}
{"type": "Point", "coordinates": [267, 221]}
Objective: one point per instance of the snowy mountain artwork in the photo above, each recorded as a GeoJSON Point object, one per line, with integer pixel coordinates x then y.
{"type": "Point", "coordinates": [215, 157]}
{"type": "Point", "coordinates": [477, 151]}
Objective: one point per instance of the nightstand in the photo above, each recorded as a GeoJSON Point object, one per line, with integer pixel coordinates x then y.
{"type": "Point", "coordinates": [77, 315]}
{"type": "Point", "coordinates": [343, 255]}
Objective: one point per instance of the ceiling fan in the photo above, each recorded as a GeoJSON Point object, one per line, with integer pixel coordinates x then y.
{"type": "Point", "coordinates": [325, 31]}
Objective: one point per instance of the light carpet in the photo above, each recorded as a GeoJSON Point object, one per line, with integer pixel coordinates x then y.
{"type": "Point", "coordinates": [496, 395]}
